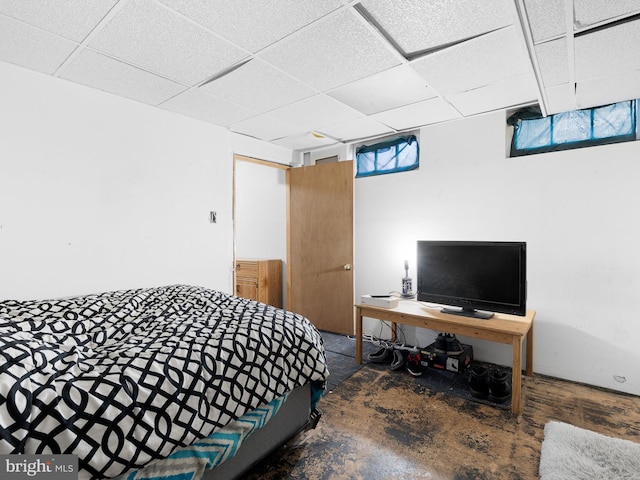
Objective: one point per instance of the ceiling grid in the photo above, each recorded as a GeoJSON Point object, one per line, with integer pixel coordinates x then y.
{"type": "Point", "coordinates": [310, 73]}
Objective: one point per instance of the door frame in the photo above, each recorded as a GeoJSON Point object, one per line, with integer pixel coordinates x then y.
{"type": "Point", "coordinates": [267, 163]}
{"type": "Point", "coordinates": [287, 169]}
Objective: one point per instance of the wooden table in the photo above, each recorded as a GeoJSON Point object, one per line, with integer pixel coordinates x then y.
{"type": "Point", "coordinates": [509, 329]}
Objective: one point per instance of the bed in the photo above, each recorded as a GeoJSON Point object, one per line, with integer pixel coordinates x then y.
{"type": "Point", "coordinates": [157, 382]}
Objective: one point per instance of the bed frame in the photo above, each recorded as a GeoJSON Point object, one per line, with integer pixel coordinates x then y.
{"type": "Point", "coordinates": [294, 417]}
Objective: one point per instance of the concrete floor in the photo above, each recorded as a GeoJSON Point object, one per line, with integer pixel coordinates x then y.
{"type": "Point", "coordinates": [379, 424]}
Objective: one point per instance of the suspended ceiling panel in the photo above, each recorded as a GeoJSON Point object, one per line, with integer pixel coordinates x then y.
{"type": "Point", "coordinates": [316, 112]}
{"type": "Point", "coordinates": [254, 25]}
{"type": "Point", "coordinates": [421, 113]}
{"type": "Point", "coordinates": [72, 19]}
{"type": "Point", "coordinates": [205, 107]}
{"type": "Point", "coordinates": [546, 18]}
{"type": "Point", "coordinates": [604, 90]}
{"type": "Point", "coordinates": [30, 47]}
{"type": "Point", "coordinates": [258, 86]}
{"type": "Point", "coordinates": [266, 127]}
{"type": "Point", "coordinates": [342, 68]}
{"type": "Point", "coordinates": [607, 52]}
{"type": "Point", "coordinates": [148, 35]}
{"type": "Point", "coordinates": [481, 61]}
{"type": "Point", "coordinates": [418, 25]}
{"type": "Point", "coordinates": [306, 141]}
{"type": "Point", "coordinates": [511, 91]}
{"type": "Point", "coordinates": [386, 90]}
{"type": "Point", "coordinates": [329, 54]}
{"type": "Point", "coordinates": [552, 58]}
{"type": "Point", "coordinates": [560, 98]}
{"type": "Point", "coordinates": [105, 73]}
{"type": "Point", "coordinates": [363, 127]}
{"type": "Point", "coordinates": [590, 12]}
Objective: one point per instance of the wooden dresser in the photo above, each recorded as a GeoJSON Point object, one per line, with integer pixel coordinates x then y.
{"type": "Point", "coordinates": [260, 280]}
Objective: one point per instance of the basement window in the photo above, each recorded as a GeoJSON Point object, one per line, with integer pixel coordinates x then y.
{"type": "Point", "coordinates": [534, 133]}
{"type": "Point", "coordinates": [396, 155]}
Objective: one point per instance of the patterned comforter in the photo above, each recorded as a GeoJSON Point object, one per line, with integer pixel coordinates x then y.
{"type": "Point", "coordinates": [123, 378]}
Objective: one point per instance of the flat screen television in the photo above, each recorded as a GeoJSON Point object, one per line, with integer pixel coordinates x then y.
{"type": "Point", "coordinates": [478, 277]}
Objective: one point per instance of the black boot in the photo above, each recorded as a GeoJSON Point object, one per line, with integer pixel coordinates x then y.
{"type": "Point", "coordinates": [478, 381]}
{"type": "Point", "coordinates": [441, 343]}
{"type": "Point", "coordinates": [454, 347]}
{"type": "Point", "coordinates": [499, 388]}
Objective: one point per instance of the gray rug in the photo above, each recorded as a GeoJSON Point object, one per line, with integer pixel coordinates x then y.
{"type": "Point", "coordinates": [572, 453]}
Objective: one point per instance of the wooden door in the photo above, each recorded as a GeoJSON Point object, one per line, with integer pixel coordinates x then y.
{"type": "Point", "coordinates": [320, 247]}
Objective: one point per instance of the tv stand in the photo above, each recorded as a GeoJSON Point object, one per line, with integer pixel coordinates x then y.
{"type": "Point", "coordinates": [468, 312]}
{"type": "Point", "coordinates": [509, 329]}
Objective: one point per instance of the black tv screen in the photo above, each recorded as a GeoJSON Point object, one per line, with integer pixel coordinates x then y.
{"type": "Point", "coordinates": [478, 277]}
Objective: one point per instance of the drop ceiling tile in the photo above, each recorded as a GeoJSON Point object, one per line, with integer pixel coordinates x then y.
{"type": "Point", "coordinates": [250, 24]}
{"type": "Point", "coordinates": [196, 104]}
{"type": "Point", "coordinates": [332, 52]}
{"type": "Point", "coordinates": [154, 38]}
{"type": "Point", "coordinates": [105, 73]}
{"type": "Point", "coordinates": [501, 95]}
{"type": "Point", "coordinates": [363, 127]}
{"type": "Point", "coordinates": [73, 19]}
{"type": "Point", "coordinates": [610, 89]}
{"type": "Point", "coordinates": [606, 52]}
{"type": "Point", "coordinates": [589, 12]}
{"type": "Point", "coordinates": [306, 141]}
{"type": "Point", "coordinates": [560, 98]}
{"type": "Point", "coordinates": [418, 114]}
{"type": "Point", "coordinates": [554, 61]}
{"type": "Point", "coordinates": [546, 18]}
{"type": "Point", "coordinates": [417, 25]}
{"type": "Point", "coordinates": [31, 47]}
{"type": "Point", "coordinates": [258, 86]}
{"type": "Point", "coordinates": [315, 112]}
{"type": "Point", "coordinates": [475, 63]}
{"type": "Point", "coordinates": [392, 88]}
{"type": "Point", "coordinates": [266, 127]}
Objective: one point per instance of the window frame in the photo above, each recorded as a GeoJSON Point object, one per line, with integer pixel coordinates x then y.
{"type": "Point", "coordinates": [384, 145]}
{"type": "Point", "coordinates": [533, 114]}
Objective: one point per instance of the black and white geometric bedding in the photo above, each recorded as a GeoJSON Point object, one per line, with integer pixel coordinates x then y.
{"type": "Point", "coordinates": [123, 378]}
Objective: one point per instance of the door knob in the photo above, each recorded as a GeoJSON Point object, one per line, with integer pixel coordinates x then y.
{"type": "Point", "coordinates": [347, 266]}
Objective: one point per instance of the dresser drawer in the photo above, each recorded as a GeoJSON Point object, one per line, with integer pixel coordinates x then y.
{"type": "Point", "coordinates": [247, 268]}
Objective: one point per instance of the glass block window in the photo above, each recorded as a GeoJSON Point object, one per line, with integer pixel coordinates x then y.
{"type": "Point", "coordinates": [396, 155]}
{"type": "Point", "coordinates": [579, 128]}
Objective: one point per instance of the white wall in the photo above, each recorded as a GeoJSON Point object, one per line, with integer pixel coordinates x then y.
{"type": "Point", "coordinates": [576, 211]}
{"type": "Point", "coordinates": [261, 207]}
{"type": "Point", "coordinates": [99, 193]}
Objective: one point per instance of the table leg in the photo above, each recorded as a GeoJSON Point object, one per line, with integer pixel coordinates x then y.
{"type": "Point", "coordinates": [358, 335]}
{"type": "Point", "coordinates": [529, 370]}
{"type": "Point", "coordinates": [516, 376]}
